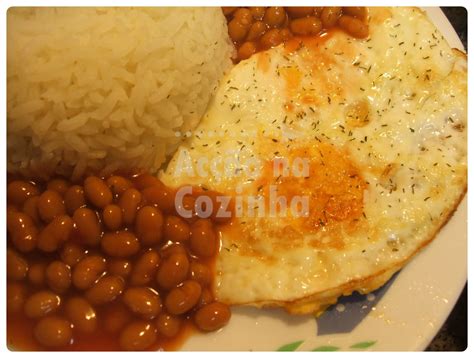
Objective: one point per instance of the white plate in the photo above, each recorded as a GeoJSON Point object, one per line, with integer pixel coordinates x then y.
{"type": "Point", "coordinates": [403, 315]}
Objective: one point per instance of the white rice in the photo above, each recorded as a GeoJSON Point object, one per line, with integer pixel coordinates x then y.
{"type": "Point", "coordinates": [94, 88]}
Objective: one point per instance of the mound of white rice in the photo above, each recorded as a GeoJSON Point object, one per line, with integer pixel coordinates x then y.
{"type": "Point", "coordinates": [93, 88]}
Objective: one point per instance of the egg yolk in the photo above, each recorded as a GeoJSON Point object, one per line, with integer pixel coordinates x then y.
{"type": "Point", "coordinates": [332, 185]}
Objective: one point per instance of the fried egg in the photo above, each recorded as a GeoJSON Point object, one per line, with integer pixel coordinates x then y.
{"type": "Point", "coordinates": [365, 140]}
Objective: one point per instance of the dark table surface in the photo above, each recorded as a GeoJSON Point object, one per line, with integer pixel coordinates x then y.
{"type": "Point", "coordinates": [458, 18]}
{"type": "Point", "coordinates": [453, 334]}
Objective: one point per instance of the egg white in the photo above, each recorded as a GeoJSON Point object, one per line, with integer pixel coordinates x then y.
{"type": "Point", "coordinates": [393, 108]}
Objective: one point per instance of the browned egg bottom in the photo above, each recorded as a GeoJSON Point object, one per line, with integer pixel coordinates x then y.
{"type": "Point", "coordinates": [254, 29]}
{"type": "Point", "coordinates": [107, 264]}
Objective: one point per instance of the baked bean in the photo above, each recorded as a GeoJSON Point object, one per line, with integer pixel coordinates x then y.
{"type": "Point", "coordinates": [299, 11]}
{"type": "Point", "coordinates": [59, 185]}
{"type": "Point", "coordinates": [212, 316]}
{"type": "Point", "coordinates": [30, 208]}
{"type": "Point", "coordinates": [81, 314]}
{"type": "Point", "coordinates": [161, 197]}
{"type": "Point", "coordinates": [172, 271]}
{"type": "Point", "coordinates": [50, 205]}
{"type": "Point", "coordinates": [228, 10]}
{"type": "Point", "coordinates": [37, 274]}
{"type": "Point", "coordinates": [306, 26]}
{"type": "Point", "coordinates": [72, 253]}
{"type": "Point", "coordinates": [206, 298]}
{"type": "Point", "coordinates": [149, 225]}
{"type": "Point", "coordinates": [257, 29]}
{"type": "Point", "coordinates": [120, 244]}
{"type": "Point", "coordinates": [74, 199]}
{"type": "Point", "coordinates": [142, 301]}
{"type": "Point", "coordinates": [147, 180]}
{"type": "Point", "coordinates": [183, 298]}
{"type": "Point", "coordinates": [105, 290]}
{"type": "Point", "coordinates": [88, 271]}
{"type": "Point", "coordinates": [88, 226]}
{"type": "Point", "coordinates": [258, 12]}
{"type": "Point", "coordinates": [168, 325]}
{"type": "Point", "coordinates": [58, 276]}
{"type": "Point", "coordinates": [17, 266]}
{"type": "Point", "coordinates": [246, 50]}
{"type": "Point", "coordinates": [357, 11]}
{"type": "Point", "coordinates": [22, 230]}
{"type": "Point", "coordinates": [41, 304]}
{"type": "Point", "coordinates": [174, 248]}
{"type": "Point", "coordinates": [115, 316]}
{"type": "Point", "coordinates": [26, 241]}
{"type": "Point", "coordinates": [145, 268]}
{"type": "Point", "coordinates": [221, 213]}
{"type": "Point", "coordinates": [11, 209]}
{"type": "Point", "coordinates": [138, 336]}
{"type": "Point", "coordinates": [187, 205]}
{"type": "Point", "coordinates": [285, 35]}
{"type": "Point", "coordinates": [112, 217]}
{"type": "Point", "coordinates": [271, 39]}
{"type": "Point", "coordinates": [97, 192]}
{"type": "Point", "coordinates": [176, 229]}
{"type": "Point", "coordinates": [353, 26]}
{"type": "Point", "coordinates": [330, 15]}
{"type": "Point", "coordinates": [203, 239]}
{"type": "Point", "coordinates": [118, 184]}
{"type": "Point", "coordinates": [238, 30]}
{"type": "Point", "coordinates": [53, 332]}
{"type": "Point", "coordinates": [16, 221]}
{"type": "Point", "coordinates": [16, 294]}
{"type": "Point", "coordinates": [129, 202]}
{"type": "Point", "coordinates": [119, 267]}
{"type": "Point", "coordinates": [274, 16]}
{"type": "Point", "coordinates": [243, 15]}
{"type": "Point", "coordinates": [318, 10]}
{"type": "Point", "coordinates": [19, 190]}
{"type": "Point", "coordinates": [55, 234]}
{"type": "Point", "coordinates": [200, 273]}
